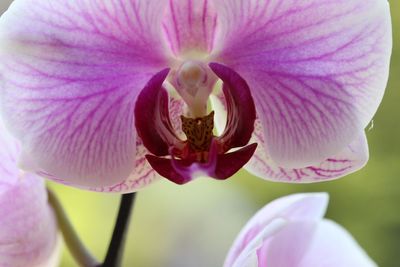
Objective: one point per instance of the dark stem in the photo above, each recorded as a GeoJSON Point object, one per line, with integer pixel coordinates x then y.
{"type": "Point", "coordinates": [116, 246]}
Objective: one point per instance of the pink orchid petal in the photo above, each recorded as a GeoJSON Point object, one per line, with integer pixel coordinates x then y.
{"type": "Point", "coordinates": [304, 238]}
{"type": "Point", "coordinates": [249, 257]}
{"type": "Point", "coordinates": [28, 230]}
{"type": "Point", "coordinates": [9, 150]}
{"type": "Point", "coordinates": [333, 246]}
{"type": "Point", "coordinates": [190, 25]}
{"type": "Point", "coordinates": [317, 69]}
{"type": "Point", "coordinates": [27, 224]}
{"type": "Point", "coordinates": [287, 247]}
{"type": "Point", "coordinates": [310, 206]}
{"type": "Point", "coordinates": [251, 261]}
{"type": "Point", "coordinates": [304, 244]}
{"type": "Point", "coordinates": [71, 71]}
{"type": "Point", "coordinates": [352, 158]}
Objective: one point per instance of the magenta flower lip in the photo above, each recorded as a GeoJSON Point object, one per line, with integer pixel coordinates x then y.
{"type": "Point", "coordinates": [301, 80]}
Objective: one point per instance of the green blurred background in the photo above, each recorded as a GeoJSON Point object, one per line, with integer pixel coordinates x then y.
{"type": "Point", "coordinates": [194, 225]}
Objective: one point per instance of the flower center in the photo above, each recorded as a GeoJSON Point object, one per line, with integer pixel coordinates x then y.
{"type": "Point", "coordinates": [194, 83]}
{"type": "Point", "coordinates": [202, 152]}
{"type": "Point", "coordinates": [199, 132]}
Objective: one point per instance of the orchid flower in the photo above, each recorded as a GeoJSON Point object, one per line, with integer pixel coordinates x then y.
{"type": "Point", "coordinates": [104, 94]}
{"type": "Point", "coordinates": [28, 229]}
{"type": "Point", "coordinates": [291, 232]}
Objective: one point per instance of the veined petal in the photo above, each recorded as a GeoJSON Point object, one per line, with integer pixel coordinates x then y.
{"type": "Point", "coordinates": [317, 69]}
{"type": "Point", "coordinates": [142, 175]}
{"type": "Point", "coordinates": [190, 25]}
{"type": "Point", "coordinates": [70, 74]}
{"type": "Point", "coordinates": [296, 207]}
{"type": "Point", "coordinates": [352, 158]}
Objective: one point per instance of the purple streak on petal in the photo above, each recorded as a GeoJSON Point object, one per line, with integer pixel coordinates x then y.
{"type": "Point", "coordinates": [190, 25]}
{"type": "Point", "coordinates": [317, 69]}
{"type": "Point", "coordinates": [71, 72]}
{"type": "Point", "coordinates": [230, 163]}
{"type": "Point", "coordinates": [349, 160]}
{"type": "Point", "coordinates": [241, 111]}
{"type": "Point", "coordinates": [151, 107]}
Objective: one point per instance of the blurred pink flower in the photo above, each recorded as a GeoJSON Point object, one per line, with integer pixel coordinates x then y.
{"type": "Point", "coordinates": [28, 229]}
{"type": "Point", "coordinates": [291, 232]}
{"type": "Point", "coordinates": [90, 87]}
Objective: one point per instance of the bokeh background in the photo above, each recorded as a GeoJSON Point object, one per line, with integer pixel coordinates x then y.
{"type": "Point", "coordinates": [194, 225]}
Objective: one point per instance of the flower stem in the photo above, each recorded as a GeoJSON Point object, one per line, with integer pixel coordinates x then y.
{"type": "Point", "coordinates": [116, 246]}
{"type": "Point", "coordinates": [74, 244]}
